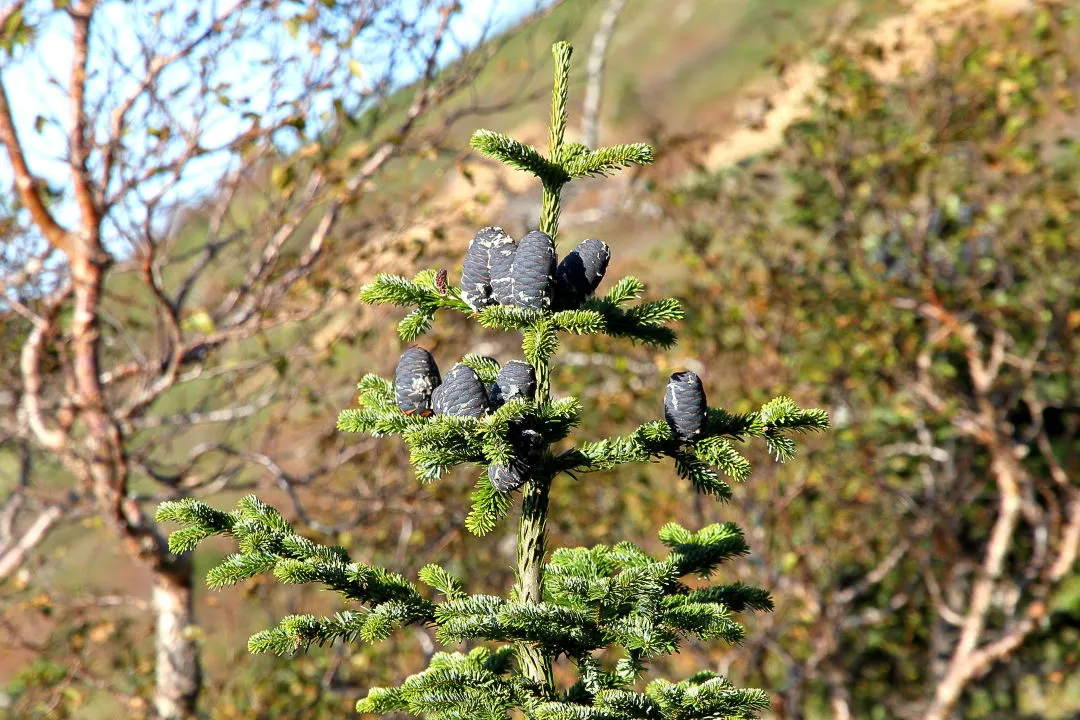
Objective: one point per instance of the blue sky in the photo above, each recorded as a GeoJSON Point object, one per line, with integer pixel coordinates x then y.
{"type": "Point", "coordinates": [35, 79]}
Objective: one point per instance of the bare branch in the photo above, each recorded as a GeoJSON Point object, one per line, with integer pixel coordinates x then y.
{"type": "Point", "coordinates": [1069, 544]}
{"type": "Point", "coordinates": [12, 558]}
{"type": "Point", "coordinates": [175, 356]}
{"type": "Point", "coordinates": [25, 185]}
{"type": "Point", "coordinates": [218, 415]}
{"type": "Point", "coordinates": [944, 610]}
{"type": "Point", "coordinates": [81, 16]}
{"type": "Point", "coordinates": [423, 98]}
{"type": "Point", "coordinates": [154, 69]}
{"type": "Point", "coordinates": [594, 87]}
{"type": "Point", "coordinates": [912, 449]}
{"type": "Point", "coordinates": [879, 573]}
{"type": "Point", "coordinates": [213, 244]}
{"type": "Point", "coordinates": [965, 662]}
{"type": "Point", "coordinates": [52, 438]}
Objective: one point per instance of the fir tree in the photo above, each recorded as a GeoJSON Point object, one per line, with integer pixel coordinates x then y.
{"type": "Point", "coordinates": [572, 602]}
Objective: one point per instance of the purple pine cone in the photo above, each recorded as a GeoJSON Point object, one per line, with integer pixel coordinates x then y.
{"type": "Point", "coordinates": [580, 273]}
{"type": "Point", "coordinates": [416, 377]}
{"type": "Point", "coordinates": [461, 393]}
{"type": "Point", "coordinates": [533, 273]}
{"type": "Point", "coordinates": [685, 407]}
{"type": "Point", "coordinates": [476, 272]}
{"type": "Point", "coordinates": [516, 379]}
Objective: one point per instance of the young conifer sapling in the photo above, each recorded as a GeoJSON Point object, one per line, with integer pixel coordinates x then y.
{"type": "Point", "coordinates": [571, 602]}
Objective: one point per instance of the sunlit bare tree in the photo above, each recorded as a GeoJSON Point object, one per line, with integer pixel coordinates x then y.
{"type": "Point", "coordinates": [178, 172]}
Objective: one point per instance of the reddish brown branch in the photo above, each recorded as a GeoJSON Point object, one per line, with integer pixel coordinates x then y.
{"type": "Point", "coordinates": [81, 17]}
{"type": "Point", "coordinates": [25, 184]}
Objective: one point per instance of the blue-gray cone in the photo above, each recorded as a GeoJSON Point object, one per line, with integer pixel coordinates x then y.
{"type": "Point", "coordinates": [533, 272]}
{"type": "Point", "coordinates": [507, 478]}
{"type": "Point", "coordinates": [515, 379]}
{"type": "Point", "coordinates": [580, 273]}
{"type": "Point", "coordinates": [528, 444]}
{"type": "Point", "coordinates": [461, 393]}
{"type": "Point", "coordinates": [416, 377]}
{"type": "Point", "coordinates": [476, 272]}
{"type": "Point", "coordinates": [685, 406]}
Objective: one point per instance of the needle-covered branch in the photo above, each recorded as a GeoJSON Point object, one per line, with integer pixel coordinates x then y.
{"type": "Point", "coordinates": [519, 156]}
{"type": "Point", "coordinates": [267, 544]}
{"type": "Point", "coordinates": [595, 598]}
{"type": "Point", "coordinates": [713, 448]}
{"type": "Point", "coordinates": [645, 323]}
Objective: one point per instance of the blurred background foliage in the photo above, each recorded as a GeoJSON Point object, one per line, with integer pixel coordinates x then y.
{"type": "Point", "coordinates": [909, 255]}
{"type": "Point", "coordinates": [905, 251]}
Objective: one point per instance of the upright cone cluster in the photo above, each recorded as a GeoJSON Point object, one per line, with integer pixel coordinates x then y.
{"type": "Point", "coordinates": [418, 390]}
{"type": "Point", "coordinates": [499, 271]}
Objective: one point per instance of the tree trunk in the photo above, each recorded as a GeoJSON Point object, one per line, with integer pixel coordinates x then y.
{"type": "Point", "coordinates": [177, 670]}
{"type": "Point", "coordinates": [594, 88]}
{"type": "Point", "coordinates": [178, 675]}
{"type": "Point", "coordinates": [531, 549]}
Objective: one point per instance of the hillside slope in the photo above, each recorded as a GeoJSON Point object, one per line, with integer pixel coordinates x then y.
{"type": "Point", "coordinates": [677, 76]}
{"type": "Point", "coordinates": [785, 99]}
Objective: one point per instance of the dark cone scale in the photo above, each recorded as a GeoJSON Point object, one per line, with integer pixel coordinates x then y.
{"type": "Point", "coordinates": [533, 273]}
{"type": "Point", "coordinates": [580, 273]}
{"type": "Point", "coordinates": [501, 263]}
{"type": "Point", "coordinates": [506, 478]}
{"type": "Point", "coordinates": [528, 445]}
{"type": "Point", "coordinates": [516, 379]}
{"type": "Point", "coordinates": [476, 275]}
{"type": "Point", "coordinates": [461, 393]}
{"type": "Point", "coordinates": [417, 376]}
{"type": "Point", "coordinates": [685, 407]}
{"type": "Point", "coordinates": [436, 399]}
